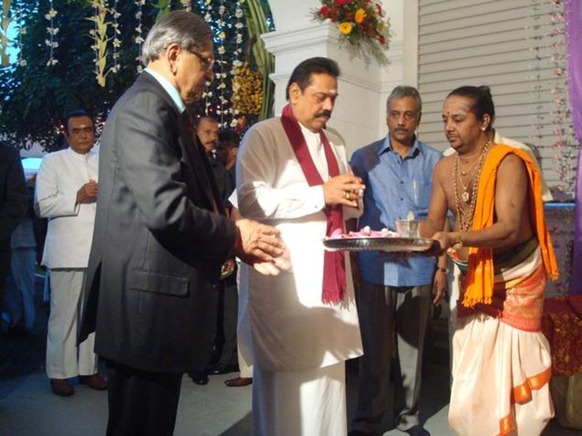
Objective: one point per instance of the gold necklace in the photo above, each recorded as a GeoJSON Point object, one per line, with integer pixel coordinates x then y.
{"type": "Point", "coordinates": [464, 216]}
{"type": "Point", "coordinates": [465, 194]}
{"type": "Point", "coordinates": [466, 173]}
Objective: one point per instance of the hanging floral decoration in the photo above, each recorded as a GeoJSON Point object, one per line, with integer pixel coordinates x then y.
{"type": "Point", "coordinates": [362, 24]}
{"type": "Point", "coordinates": [234, 105]}
{"type": "Point", "coordinates": [221, 75]}
{"type": "Point", "coordinates": [139, 39]}
{"type": "Point", "coordinates": [52, 31]}
{"type": "Point", "coordinates": [99, 34]}
{"type": "Point", "coordinates": [208, 93]}
{"type": "Point", "coordinates": [247, 92]}
{"type": "Point", "coordinates": [116, 41]}
{"type": "Point", "coordinates": [237, 63]}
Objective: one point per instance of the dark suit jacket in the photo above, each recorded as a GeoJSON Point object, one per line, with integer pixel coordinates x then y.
{"type": "Point", "coordinates": [13, 201]}
{"type": "Point", "coordinates": [157, 248]}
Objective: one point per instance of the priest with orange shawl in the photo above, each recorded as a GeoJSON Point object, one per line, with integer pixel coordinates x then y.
{"type": "Point", "coordinates": [501, 359]}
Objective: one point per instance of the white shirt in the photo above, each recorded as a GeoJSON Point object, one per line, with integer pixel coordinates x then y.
{"type": "Point", "coordinates": [70, 228]}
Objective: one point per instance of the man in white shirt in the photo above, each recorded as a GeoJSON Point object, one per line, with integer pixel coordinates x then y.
{"type": "Point", "coordinates": [294, 175]}
{"type": "Point", "coordinates": [66, 194]}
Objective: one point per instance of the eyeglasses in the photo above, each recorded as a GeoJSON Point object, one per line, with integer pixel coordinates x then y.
{"type": "Point", "coordinates": [205, 63]}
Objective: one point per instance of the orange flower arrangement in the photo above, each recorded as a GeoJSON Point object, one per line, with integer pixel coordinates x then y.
{"type": "Point", "coordinates": [361, 23]}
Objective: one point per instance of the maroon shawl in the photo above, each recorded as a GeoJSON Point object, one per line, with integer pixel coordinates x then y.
{"type": "Point", "coordinates": [334, 269]}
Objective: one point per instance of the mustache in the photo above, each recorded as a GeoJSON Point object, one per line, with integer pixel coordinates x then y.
{"type": "Point", "coordinates": [323, 113]}
{"type": "Point", "coordinates": [401, 129]}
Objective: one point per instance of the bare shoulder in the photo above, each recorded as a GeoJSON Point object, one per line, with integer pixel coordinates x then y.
{"type": "Point", "coordinates": [444, 168]}
{"type": "Point", "coordinates": [512, 164]}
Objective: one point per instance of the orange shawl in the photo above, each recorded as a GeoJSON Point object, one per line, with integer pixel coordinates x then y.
{"type": "Point", "coordinates": [479, 279]}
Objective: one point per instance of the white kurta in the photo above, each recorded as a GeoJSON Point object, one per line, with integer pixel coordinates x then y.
{"type": "Point", "coordinates": [70, 228]}
{"type": "Point", "coordinates": [297, 344]}
{"type": "Point", "coordinates": [66, 253]}
{"type": "Point", "coordinates": [289, 328]}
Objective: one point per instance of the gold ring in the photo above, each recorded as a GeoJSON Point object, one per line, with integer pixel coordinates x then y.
{"type": "Point", "coordinates": [348, 196]}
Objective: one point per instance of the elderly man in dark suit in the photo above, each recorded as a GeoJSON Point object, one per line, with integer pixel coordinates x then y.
{"type": "Point", "coordinates": [160, 234]}
{"type": "Point", "coordinates": [13, 206]}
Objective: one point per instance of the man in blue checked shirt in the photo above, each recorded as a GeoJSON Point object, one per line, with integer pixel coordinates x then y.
{"type": "Point", "coordinates": [394, 293]}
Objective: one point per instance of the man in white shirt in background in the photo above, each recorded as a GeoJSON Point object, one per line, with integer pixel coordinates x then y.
{"type": "Point", "coordinates": [66, 194]}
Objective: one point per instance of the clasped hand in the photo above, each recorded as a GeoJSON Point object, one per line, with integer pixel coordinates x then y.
{"type": "Point", "coordinates": [88, 192]}
{"type": "Point", "coordinates": [260, 245]}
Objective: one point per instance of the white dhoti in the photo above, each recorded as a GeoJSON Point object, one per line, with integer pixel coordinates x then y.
{"type": "Point", "coordinates": [63, 358]}
{"type": "Point", "coordinates": [300, 403]}
{"type": "Point", "coordinates": [500, 379]}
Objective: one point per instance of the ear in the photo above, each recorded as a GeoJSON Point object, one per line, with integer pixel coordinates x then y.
{"type": "Point", "coordinates": [294, 92]}
{"type": "Point", "coordinates": [172, 54]}
{"type": "Point", "coordinates": [485, 122]}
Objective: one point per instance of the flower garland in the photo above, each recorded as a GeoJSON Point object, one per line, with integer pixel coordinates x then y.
{"type": "Point", "coordinates": [237, 63]}
{"type": "Point", "coordinates": [208, 93]}
{"type": "Point", "coordinates": [221, 75]}
{"type": "Point", "coordinates": [139, 39]}
{"type": "Point", "coordinates": [362, 25]}
{"type": "Point", "coordinates": [52, 31]}
{"type": "Point", "coordinates": [116, 41]}
{"type": "Point", "coordinates": [99, 34]}
{"type": "Point", "coordinates": [247, 90]}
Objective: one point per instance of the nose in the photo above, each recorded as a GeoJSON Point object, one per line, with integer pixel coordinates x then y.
{"type": "Point", "coordinates": [328, 104]}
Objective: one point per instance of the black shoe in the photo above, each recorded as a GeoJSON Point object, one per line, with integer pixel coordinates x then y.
{"type": "Point", "coordinates": [417, 430]}
{"type": "Point", "coordinates": [199, 377]}
{"type": "Point", "coordinates": [221, 368]}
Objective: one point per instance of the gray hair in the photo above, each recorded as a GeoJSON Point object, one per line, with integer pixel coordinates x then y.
{"type": "Point", "coordinates": [405, 91]}
{"type": "Point", "coordinates": [181, 27]}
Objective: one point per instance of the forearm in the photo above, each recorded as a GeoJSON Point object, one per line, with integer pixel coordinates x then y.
{"type": "Point", "coordinates": [495, 236]}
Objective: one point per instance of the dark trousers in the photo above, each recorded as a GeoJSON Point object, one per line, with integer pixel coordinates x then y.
{"type": "Point", "coordinates": [141, 403]}
{"type": "Point", "coordinates": [227, 322]}
{"type": "Point", "coordinates": [393, 323]}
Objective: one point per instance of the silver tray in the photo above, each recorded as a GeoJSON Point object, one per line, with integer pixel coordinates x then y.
{"type": "Point", "coordinates": [403, 245]}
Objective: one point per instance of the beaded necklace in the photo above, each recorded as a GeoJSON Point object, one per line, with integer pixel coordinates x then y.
{"type": "Point", "coordinates": [465, 216]}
